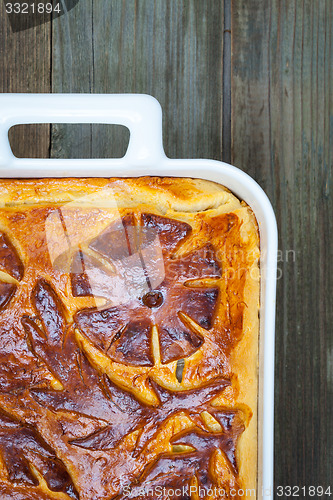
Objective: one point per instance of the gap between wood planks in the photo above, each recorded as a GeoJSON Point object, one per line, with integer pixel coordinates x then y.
{"type": "Point", "coordinates": [226, 77]}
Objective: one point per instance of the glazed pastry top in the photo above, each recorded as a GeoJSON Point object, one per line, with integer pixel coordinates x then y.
{"type": "Point", "coordinates": [129, 338]}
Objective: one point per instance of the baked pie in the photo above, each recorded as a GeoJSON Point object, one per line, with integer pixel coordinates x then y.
{"type": "Point", "coordinates": [129, 340]}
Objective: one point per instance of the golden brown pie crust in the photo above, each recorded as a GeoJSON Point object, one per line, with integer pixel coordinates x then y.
{"type": "Point", "coordinates": [107, 390]}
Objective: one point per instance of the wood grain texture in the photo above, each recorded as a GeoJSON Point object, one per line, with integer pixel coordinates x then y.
{"type": "Point", "coordinates": [25, 67]}
{"type": "Point", "coordinates": [282, 131]}
{"type": "Point", "coordinates": [172, 50]}
{"type": "Point", "coordinates": [72, 71]}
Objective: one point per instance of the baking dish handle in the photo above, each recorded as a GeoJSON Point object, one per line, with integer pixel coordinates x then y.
{"type": "Point", "coordinates": [140, 113]}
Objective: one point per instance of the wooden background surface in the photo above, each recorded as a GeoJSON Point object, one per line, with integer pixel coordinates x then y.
{"type": "Point", "coordinates": [246, 81]}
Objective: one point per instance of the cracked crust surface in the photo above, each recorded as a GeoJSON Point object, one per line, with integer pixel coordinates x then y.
{"type": "Point", "coordinates": [129, 338]}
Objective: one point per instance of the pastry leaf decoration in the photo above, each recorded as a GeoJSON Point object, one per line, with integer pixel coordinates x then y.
{"type": "Point", "coordinates": [190, 466]}
{"type": "Point", "coordinates": [83, 391]}
{"type": "Point", "coordinates": [163, 295]}
{"type": "Point", "coordinates": [24, 452]}
{"type": "Point", "coordinates": [91, 414]}
{"type": "Point", "coordinates": [148, 420]}
{"type": "Point", "coordinates": [110, 412]}
{"type": "Point", "coordinates": [11, 270]}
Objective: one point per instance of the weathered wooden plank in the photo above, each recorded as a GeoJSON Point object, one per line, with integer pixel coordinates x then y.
{"type": "Point", "coordinates": [282, 122]}
{"type": "Point", "coordinates": [226, 79]}
{"type": "Point", "coordinates": [172, 50]}
{"type": "Point", "coordinates": [25, 67]}
{"type": "Point", "coordinates": [72, 71]}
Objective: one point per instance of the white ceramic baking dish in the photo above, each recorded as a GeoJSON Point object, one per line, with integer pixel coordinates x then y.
{"type": "Point", "coordinates": [142, 115]}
